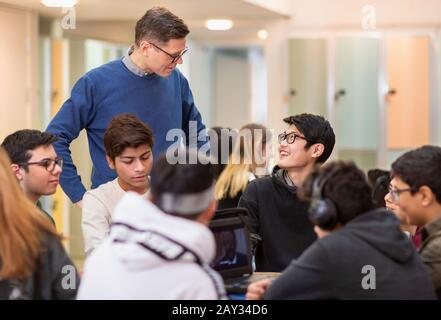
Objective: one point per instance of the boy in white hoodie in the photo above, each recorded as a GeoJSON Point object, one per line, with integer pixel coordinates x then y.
{"type": "Point", "coordinates": [160, 249]}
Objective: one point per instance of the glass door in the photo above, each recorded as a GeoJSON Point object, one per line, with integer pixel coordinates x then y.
{"type": "Point", "coordinates": [356, 99]}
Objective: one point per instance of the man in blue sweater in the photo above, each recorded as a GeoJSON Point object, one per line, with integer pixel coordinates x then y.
{"type": "Point", "coordinates": [145, 83]}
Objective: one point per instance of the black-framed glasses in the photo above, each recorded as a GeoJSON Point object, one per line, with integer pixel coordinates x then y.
{"type": "Point", "coordinates": [175, 57]}
{"type": "Point", "coordinates": [48, 164]}
{"type": "Point", "coordinates": [289, 137]}
{"type": "Point", "coordinates": [395, 193]}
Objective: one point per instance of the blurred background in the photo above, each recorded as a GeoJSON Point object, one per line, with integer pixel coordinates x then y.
{"type": "Point", "coordinates": [372, 68]}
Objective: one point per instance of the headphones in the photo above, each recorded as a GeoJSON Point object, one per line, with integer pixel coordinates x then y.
{"type": "Point", "coordinates": [322, 212]}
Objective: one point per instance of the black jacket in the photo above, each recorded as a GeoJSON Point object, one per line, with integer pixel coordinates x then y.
{"type": "Point", "coordinates": [281, 220]}
{"type": "Point", "coordinates": [228, 202]}
{"type": "Point", "coordinates": [333, 267]}
{"type": "Point", "coordinates": [55, 277]}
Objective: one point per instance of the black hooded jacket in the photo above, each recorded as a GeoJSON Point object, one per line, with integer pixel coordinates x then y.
{"type": "Point", "coordinates": [279, 218]}
{"type": "Point", "coordinates": [368, 258]}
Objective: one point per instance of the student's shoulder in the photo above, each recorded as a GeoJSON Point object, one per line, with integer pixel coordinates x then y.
{"type": "Point", "coordinates": [430, 250]}
{"type": "Point", "coordinates": [102, 192]}
{"type": "Point", "coordinates": [260, 184]}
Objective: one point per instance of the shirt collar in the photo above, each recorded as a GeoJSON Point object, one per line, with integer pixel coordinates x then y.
{"type": "Point", "coordinates": [133, 67]}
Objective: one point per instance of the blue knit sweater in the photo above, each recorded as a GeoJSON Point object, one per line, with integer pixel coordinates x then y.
{"type": "Point", "coordinates": [111, 89]}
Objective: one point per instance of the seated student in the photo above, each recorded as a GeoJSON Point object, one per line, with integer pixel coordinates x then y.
{"type": "Point", "coordinates": [33, 263]}
{"type": "Point", "coordinates": [379, 181]}
{"type": "Point", "coordinates": [248, 160]}
{"type": "Point", "coordinates": [129, 143]}
{"type": "Point", "coordinates": [416, 189]}
{"type": "Point", "coordinates": [276, 214]}
{"type": "Point", "coordinates": [160, 249]}
{"type": "Point", "coordinates": [412, 232]}
{"type": "Point", "coordinates": [34, 163]}
{"type": "Point", "coordinates": [361, 253]}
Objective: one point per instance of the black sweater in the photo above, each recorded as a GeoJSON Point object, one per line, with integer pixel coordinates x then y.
{"type": "Point", "coordinates": [333, 267]}
{"type": "Point", "coordinates": [280, 218]}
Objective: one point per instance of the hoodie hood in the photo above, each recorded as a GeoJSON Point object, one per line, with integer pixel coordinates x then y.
{"type": "Point", "coordinates": [143, 237]}
{"type": "Point", "coordinates": [381, 229]}
{"type": "Point", "coordinates": [278, 176]}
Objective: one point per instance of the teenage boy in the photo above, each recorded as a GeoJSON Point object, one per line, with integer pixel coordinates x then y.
{"type": "Point", "coordinates": [34, 163]}
{"type": "Point", "coordinates": [275, 212]}
{"type": "Point", "coordinates": [128, 143]}
{"type": "Point", "coordinates": [416, 188]}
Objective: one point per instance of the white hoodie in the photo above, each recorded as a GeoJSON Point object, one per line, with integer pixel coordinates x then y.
{"type": "Point", "coordinates": [151, 255]}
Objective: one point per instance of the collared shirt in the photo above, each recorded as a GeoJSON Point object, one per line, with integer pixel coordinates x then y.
{"type": "Point", "coordinates": [133, 67]}
{"type": "Point", "coordinates": [430, 251]}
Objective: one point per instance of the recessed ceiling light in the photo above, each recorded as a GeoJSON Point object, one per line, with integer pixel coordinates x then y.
{"type": "Point", "coordinates": [219, 24]}
{"type": "Point", "coordinates": [262, 34]}
{"type": "Point", "coordinates": [59, 3]}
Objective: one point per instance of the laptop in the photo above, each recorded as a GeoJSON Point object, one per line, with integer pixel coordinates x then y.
{"type": "Point", "coordinates": [233, 260]}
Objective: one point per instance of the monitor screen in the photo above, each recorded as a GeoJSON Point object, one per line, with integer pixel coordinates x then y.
{"type": "Point", "coordinates": [231, 248]}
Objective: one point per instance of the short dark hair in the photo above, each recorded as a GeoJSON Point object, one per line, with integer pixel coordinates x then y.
{"type": "Point", "coordinates": [126, 131]}
{"type": "Point", "coordinates": [180, 179]}
{"type": "Point", "coordinates": [420, 167]}
{"type": "Point", "coordinates": [346, 186]}
{"type": "Point", "coordinates": [379, 181]}
{"type": "Point", "coordinates": [19, 144]}
{"type": "Point", "coordinates": [316, 129]}
{"type": "Point", "coordinates": [159, 24]}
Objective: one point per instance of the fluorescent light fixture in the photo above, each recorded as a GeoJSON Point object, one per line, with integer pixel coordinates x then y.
{"type": "Point", "coordinates": [219, 24]}
{"type": "Point", "coordinates": [59, 3]}
{"type": "Point", "coordinates": [262, 34]}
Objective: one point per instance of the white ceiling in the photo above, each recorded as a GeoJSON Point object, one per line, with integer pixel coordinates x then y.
{"type": "Point", "coordinates": [133, 9]}
{"type": "Point", "coordinates": [248, 18]}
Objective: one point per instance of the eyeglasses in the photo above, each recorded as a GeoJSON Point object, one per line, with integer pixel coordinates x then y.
{"type": "Point", "coordinates": [48, 164]}
{"type": "Point", "coordinates": [395, 193]}
{"type": "Point", "coordinates": [290, 137]}
{"type": "Point", "coordinates": [175, 57]}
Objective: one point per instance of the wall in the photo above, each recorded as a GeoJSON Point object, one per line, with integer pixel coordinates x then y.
{"type": "Point", "coordinates": [18, 71]}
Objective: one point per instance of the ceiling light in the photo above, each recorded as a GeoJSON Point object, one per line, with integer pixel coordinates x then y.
{"type": "Point", "coordinates": [219, 24]}
{"type": "Point", "coordinates": [262, 34]}
{"type": "Point", "coordinates": [59, 3]}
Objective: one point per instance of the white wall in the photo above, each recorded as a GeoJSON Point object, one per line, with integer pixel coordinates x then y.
{"type": "Point", "coordinates": [259, 96]}
{"type": "Point", "coordinates": [18, 71]}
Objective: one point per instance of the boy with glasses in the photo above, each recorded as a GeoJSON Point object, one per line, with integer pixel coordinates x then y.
{"type": "Point", "coordinates": [34, 163]}
{"type": "Point", "coordinates": [276, 214]}
{"type": "Point", "coordinates": [145, 83]}
{"type": "Point", "coordinates": [416, 189]}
